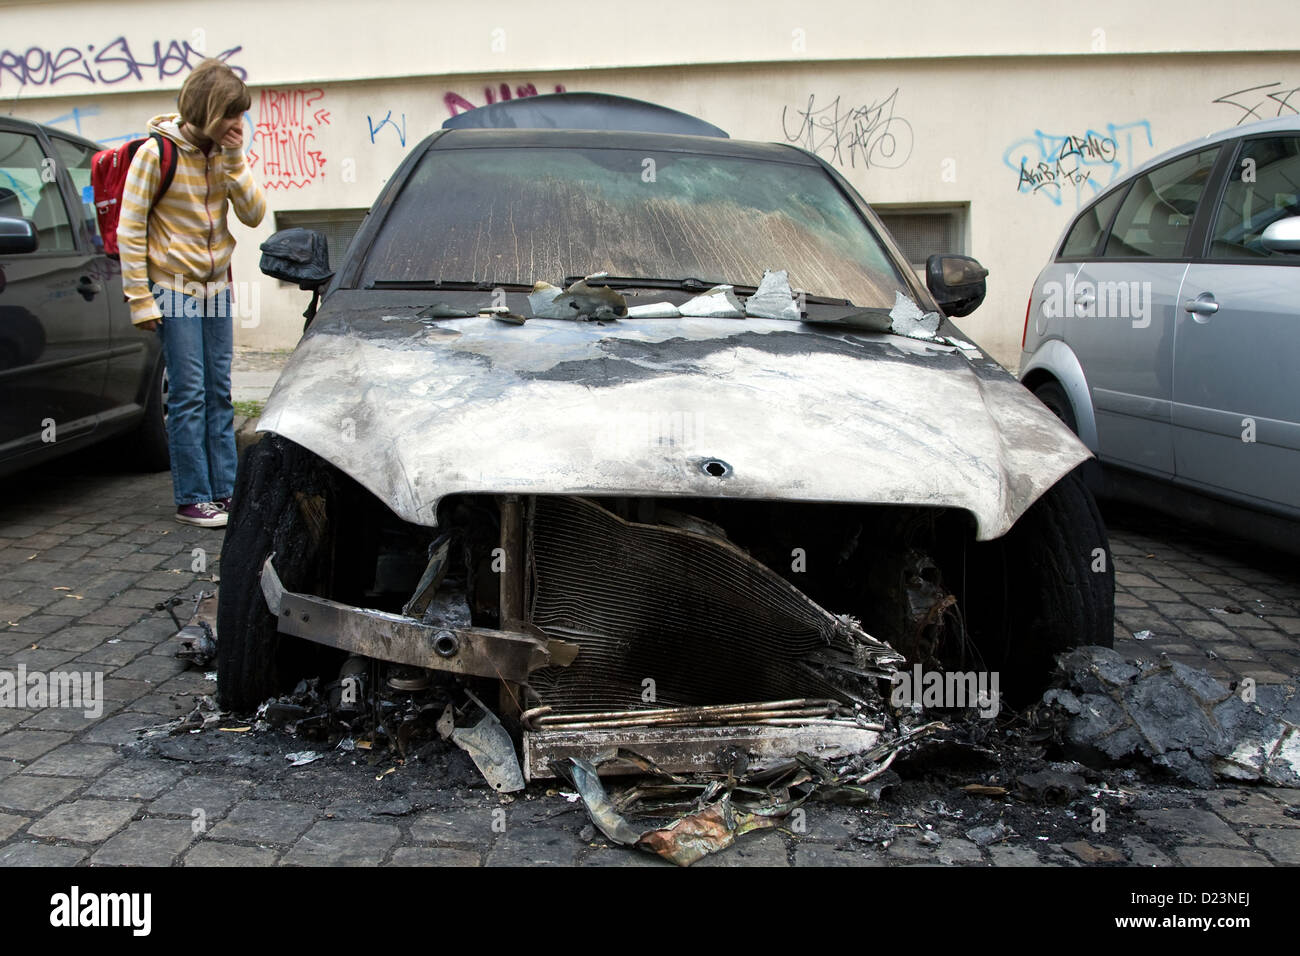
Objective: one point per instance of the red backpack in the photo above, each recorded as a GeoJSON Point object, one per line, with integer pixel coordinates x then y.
{"type": "Point", "coordinates": [108, 179]}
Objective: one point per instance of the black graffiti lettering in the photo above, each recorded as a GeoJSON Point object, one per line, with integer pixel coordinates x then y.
{"type": "Point", "coordinates": [1089, 147]}
{"type": "Point", "coordinates": [1279, 95]}
{"type": "Point", "coordinates": [868, 135]}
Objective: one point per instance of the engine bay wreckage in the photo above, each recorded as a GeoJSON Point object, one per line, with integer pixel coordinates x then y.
{"type": "Point", "coordinates": [682, 535]}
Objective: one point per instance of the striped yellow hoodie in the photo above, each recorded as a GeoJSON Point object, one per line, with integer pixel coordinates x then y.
{"type": "Point", "coordinates": [187, 234]}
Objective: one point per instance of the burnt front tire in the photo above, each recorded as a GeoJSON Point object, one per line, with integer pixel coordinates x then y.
{"type": "Point", "coordinates": [283, 495]}
{"type": "Point", "coordinates": [1044, 587]}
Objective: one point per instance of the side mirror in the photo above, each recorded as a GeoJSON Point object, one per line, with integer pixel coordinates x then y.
{"type": "Point", "coordinates": [1282, 235]}
{"type": "Point", "coordinates": [956, 282]}
{"type": "Point", "coordinates": [297, 255]}
{"type": "Point", "coordinates": [17, 236]}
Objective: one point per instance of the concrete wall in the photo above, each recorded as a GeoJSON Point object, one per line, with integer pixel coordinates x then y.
{"type": "Point", "coordinates": [930, 103]}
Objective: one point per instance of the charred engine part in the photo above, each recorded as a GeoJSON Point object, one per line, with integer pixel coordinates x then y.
{"type": "Point", "coordinates": [927, 624]}
{"type": "Point", "coordinates": [434, 573]}
{"type": "Point", "coordinates": [674, 616]}
{"type": "Point", "coordinates": [488, 744]}
{"type": "Point", "coordinates": [348, 693]}
{"type": "Point", "coordinates": [408, 679]}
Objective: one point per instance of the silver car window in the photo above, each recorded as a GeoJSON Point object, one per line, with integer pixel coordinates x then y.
{"type": "Point", "coordinates": [1264, 187]}
{"type": "Point", "coordinates": [1082, 241]}
{"type": "Point", "coordinates": [1156, 216]}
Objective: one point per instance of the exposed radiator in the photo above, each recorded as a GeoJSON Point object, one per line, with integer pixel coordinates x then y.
{"type": "Point", "coordinates": [691, 612]}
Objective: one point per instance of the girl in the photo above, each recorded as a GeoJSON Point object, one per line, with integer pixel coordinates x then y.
{"type": "Point", "coordinates": [175, 257]}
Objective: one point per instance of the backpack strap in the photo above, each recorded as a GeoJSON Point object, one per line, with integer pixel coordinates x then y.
{"type": "Point", "coordinates": [166, 163]}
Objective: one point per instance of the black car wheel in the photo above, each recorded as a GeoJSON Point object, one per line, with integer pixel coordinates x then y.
{"type": "Point", "coordinates": [1053, 396]}
{"type": "Point", "coordinates": [149, 440]}
{"type": "Point", "coordinates": [1044, 587]}
{"type": "Point", "coordinates": [282, 497]}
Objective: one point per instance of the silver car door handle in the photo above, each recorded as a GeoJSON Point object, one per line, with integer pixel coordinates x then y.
{"type": "Point", "coordinates": [1085, 298]}
{"type": "Point", "coordinates": [1203, 304]}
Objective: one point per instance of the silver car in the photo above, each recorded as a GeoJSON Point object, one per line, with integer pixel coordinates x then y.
{"type": "Point", "coordinates": [1166, 331]}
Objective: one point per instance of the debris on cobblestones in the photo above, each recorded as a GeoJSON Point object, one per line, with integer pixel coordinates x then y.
{"type": "Point", "coordinates": [204, 715]}
{"type": "Point", "coordinates": [1177, 718]}
{"type": "Point", "coordinates": [1050, 786]}
{"type": "Point", "coordinates": [723, 807]}
{"type": "Point", "coordinates": [988, 835]}
{"type": "Point", "coordinates": [489, 745]}
{"type": "Point", "coordinates": [198, 638]}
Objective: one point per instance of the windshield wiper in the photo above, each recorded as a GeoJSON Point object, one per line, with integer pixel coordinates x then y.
{"type": "Point", "coordinates": [691, 284]}
{"type": "Point", "coordinates": [448, 285]}
{"type": "Point", "coordinates": [688, 284]}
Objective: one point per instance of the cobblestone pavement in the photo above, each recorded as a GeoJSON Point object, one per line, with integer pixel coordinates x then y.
{"type": "Point", "coordinates": [87, 549]}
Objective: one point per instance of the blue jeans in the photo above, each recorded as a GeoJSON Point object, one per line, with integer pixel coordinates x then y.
{"type": "Point", "coordinates": [198, 342]}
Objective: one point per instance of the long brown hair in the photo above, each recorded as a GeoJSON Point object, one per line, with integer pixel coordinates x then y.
{"type": "Point", "coordinates": [212, 93]}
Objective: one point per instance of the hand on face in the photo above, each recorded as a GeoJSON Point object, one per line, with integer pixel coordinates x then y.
{"type": "Point", "coordinates": [233, 135]}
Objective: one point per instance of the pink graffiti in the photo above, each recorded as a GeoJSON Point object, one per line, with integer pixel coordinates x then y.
{"type": "Point", "coordinates": [284, 136]}
{"type": "Point", "coordinates": [457, 104]}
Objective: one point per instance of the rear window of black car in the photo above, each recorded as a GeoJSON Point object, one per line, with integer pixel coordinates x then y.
{"type": "Point", "coordinates": [519, 215]}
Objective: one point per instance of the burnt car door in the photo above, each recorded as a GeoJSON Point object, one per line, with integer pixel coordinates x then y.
{"type": "Point", "coordinates": [1236, 411]}
{"type": "Point", "coordinates": [54, 336]}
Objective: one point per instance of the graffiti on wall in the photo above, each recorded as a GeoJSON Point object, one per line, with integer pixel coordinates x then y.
{"type": "Point", "coordinates": [872, 135]}
{"type": "Point", "coordinates": [108, 64]}
{"type": "Point", "coordinates": [457, 104]}
{"type": "Point", "coordinates": [1074, 166]}
{"type": "Point", "coordinates": [283, 145]}
{"type": "Point", "coordinates": [398, 128]}
{"type": "Point", "coordinates": [1266, 101]}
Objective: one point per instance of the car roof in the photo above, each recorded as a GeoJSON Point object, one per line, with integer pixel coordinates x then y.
{"type": "Point", "coordinates": [617, 139]}
{"type": "Point", "coordinates": [582, 111]}
{"type": "Point", "coordinates": [14, 122]}
{"type": "Point", "coordinates": [1286, 124]}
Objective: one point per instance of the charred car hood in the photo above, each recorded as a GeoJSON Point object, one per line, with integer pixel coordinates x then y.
{"type": "Point", "coordinates": [417, 409]}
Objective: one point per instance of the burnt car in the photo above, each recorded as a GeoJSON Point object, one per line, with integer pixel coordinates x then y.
{"type": "Point", "coordinates": [630, 428]}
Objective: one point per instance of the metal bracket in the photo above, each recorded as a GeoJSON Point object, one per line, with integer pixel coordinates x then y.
{"type": "Point", "coordinates": [472, 651]}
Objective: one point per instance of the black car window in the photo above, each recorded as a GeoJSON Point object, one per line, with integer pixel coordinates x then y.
{"type": "Point", "coordinates": [519, 215]}
{"type": "Point", "coordinates": [29, 189]}
{"type": "Point", "coordinates": [1263, 186]}
{"type": "Point", "coordinates": [77, 159]}
{"type": "Point", "coordinates": [1156, 216]}
{"type": "Point", "coordinates": [1087, 230]}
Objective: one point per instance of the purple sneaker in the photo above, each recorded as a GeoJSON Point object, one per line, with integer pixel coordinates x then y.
{"type": "Point", "coordinates": [205, 514]}
{"type": "Point", "coordinates": [223, 504]}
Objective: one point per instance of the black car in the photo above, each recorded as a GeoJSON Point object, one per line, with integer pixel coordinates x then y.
{"type": "Point", "coordinates": [73, 369]}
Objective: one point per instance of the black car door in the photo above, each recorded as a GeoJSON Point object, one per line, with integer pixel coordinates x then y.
{"type": "Point", "coordinates": [54, 332]}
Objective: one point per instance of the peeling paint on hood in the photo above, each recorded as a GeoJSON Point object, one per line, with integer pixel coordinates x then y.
{"type": "Point", "coordinates": [415, 411]}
